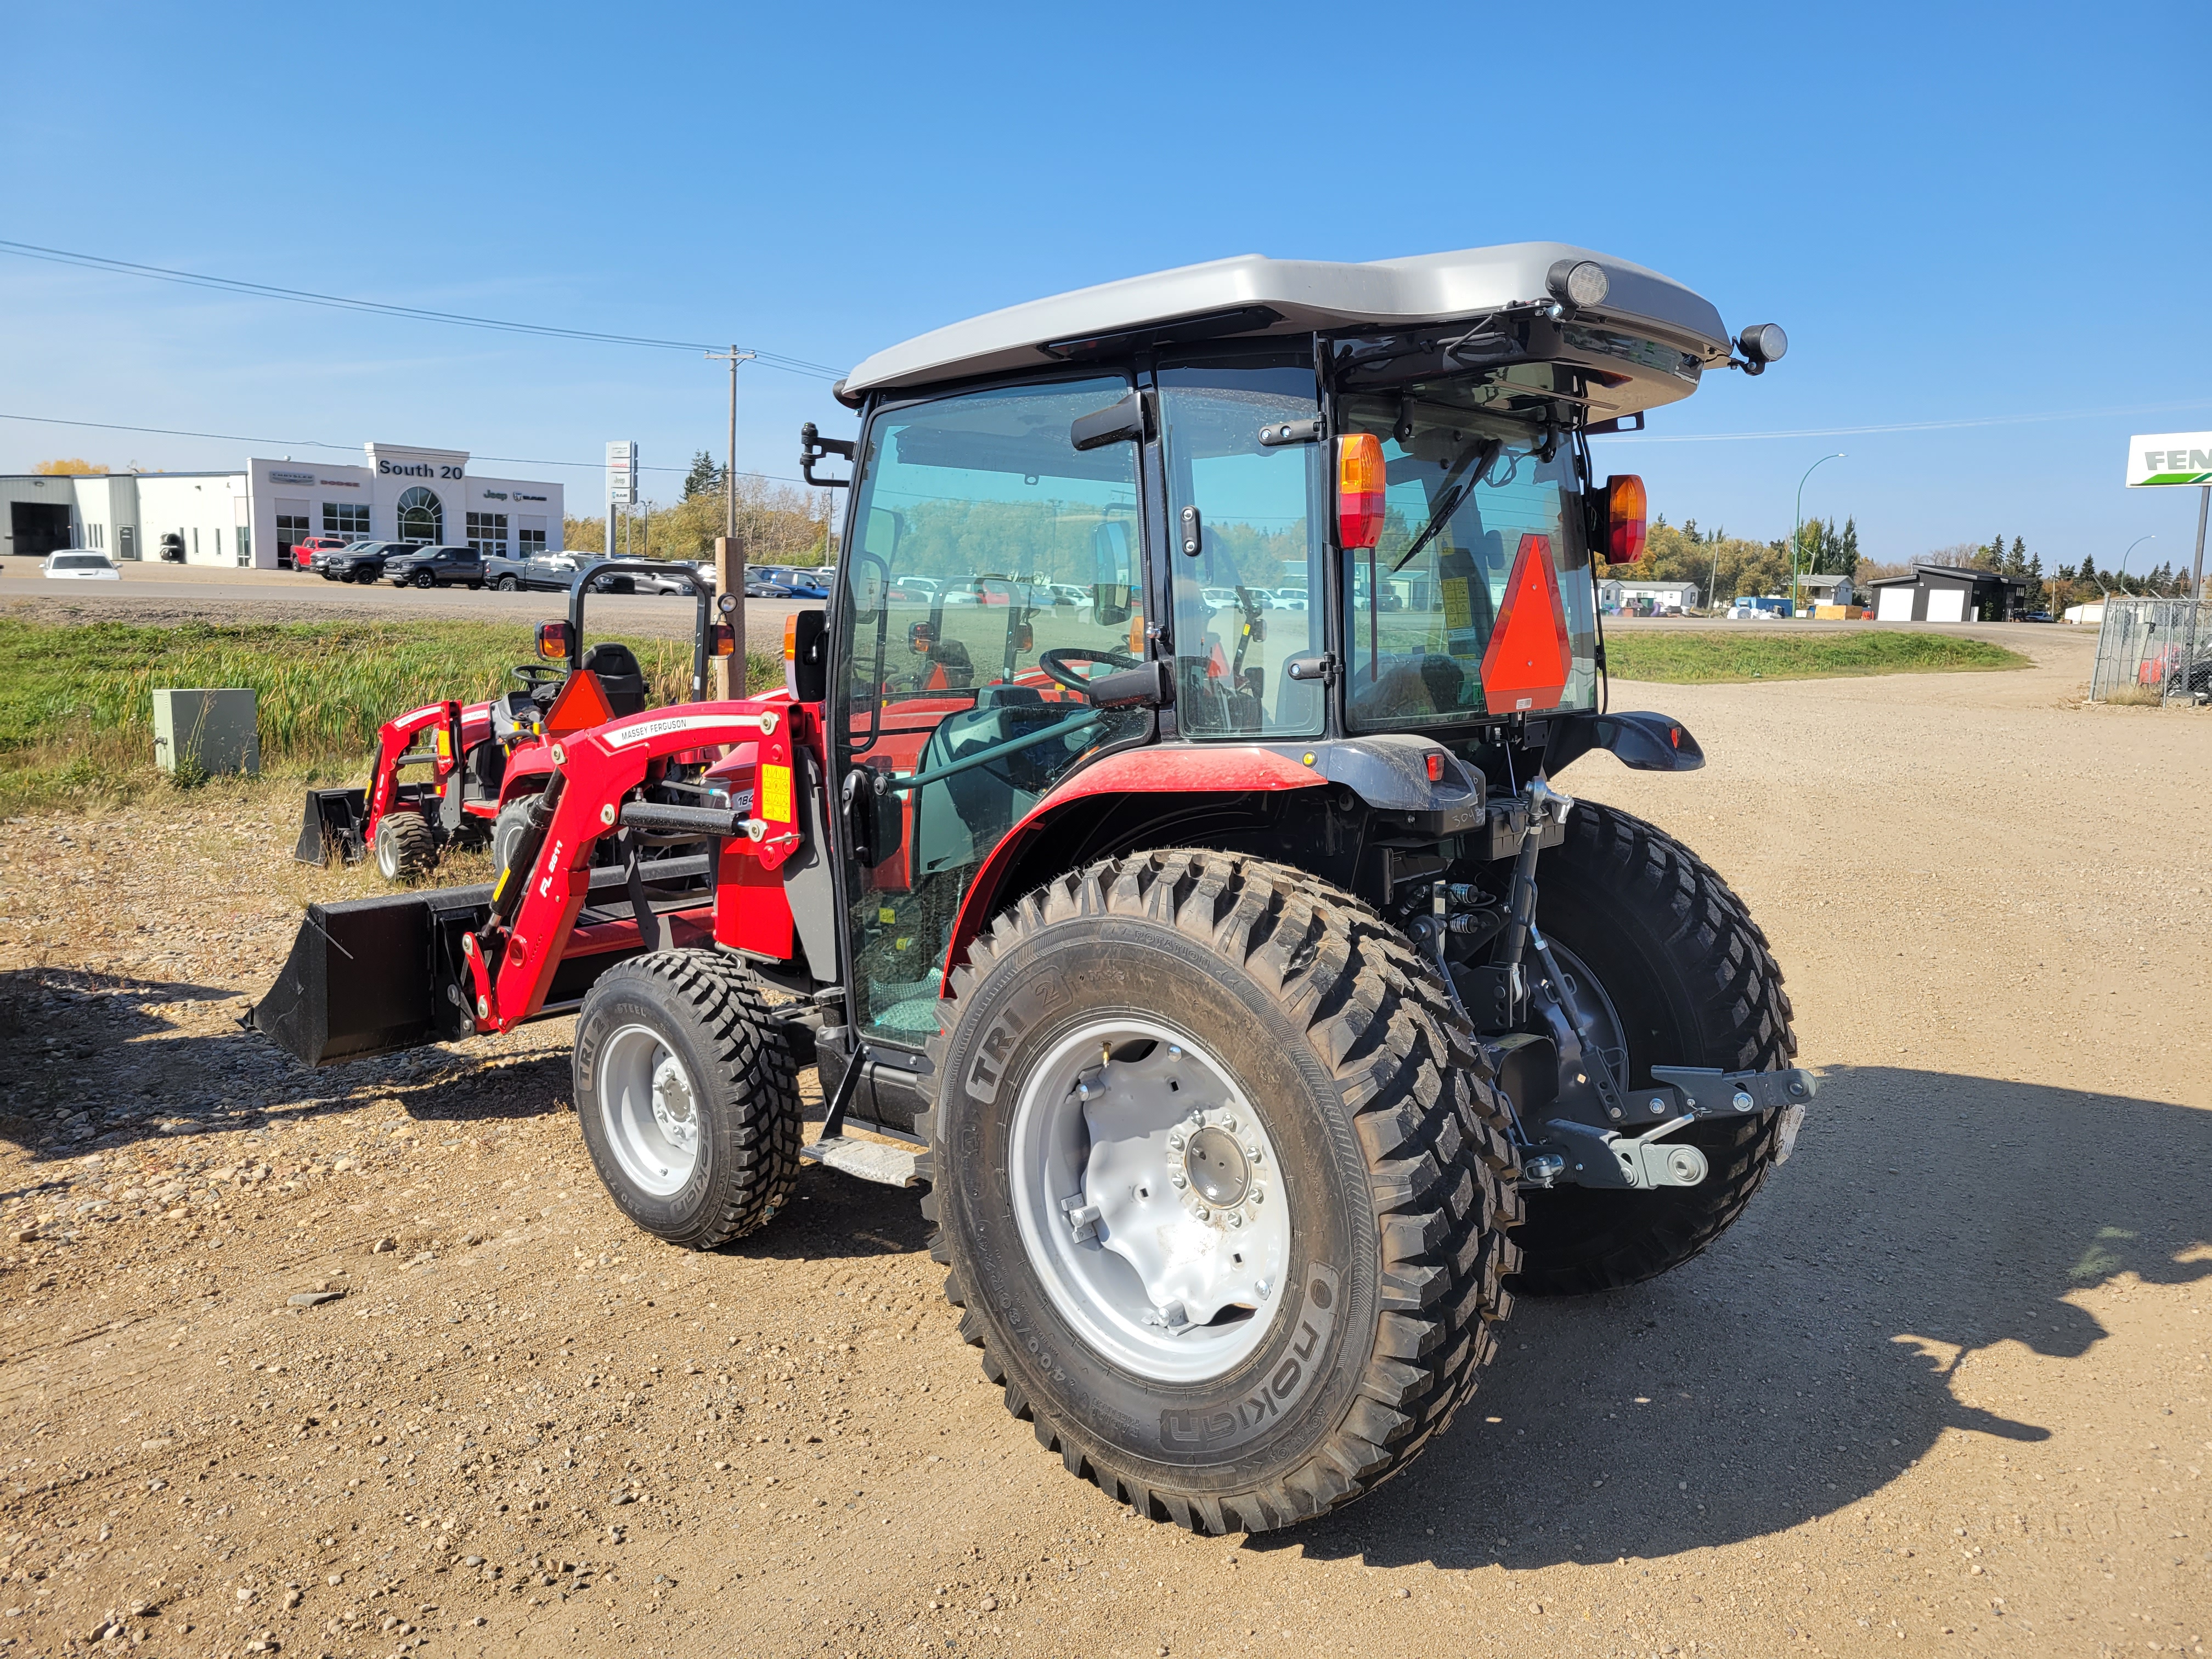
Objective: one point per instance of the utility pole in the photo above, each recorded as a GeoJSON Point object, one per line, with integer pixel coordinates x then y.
{"type": "Point", "coordinates": [729, 557]}
{"type": "Point", "coordinates": [1797, 527]}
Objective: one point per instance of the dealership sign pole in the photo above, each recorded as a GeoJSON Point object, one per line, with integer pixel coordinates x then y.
{"type": "Point", "coordinates": [622, 483]}
{"type": "Point", "coordinates": [2162, 459]}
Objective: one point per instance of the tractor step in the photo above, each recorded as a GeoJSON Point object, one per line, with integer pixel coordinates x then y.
{"type": "Point", "coordinates": [868, 1160]}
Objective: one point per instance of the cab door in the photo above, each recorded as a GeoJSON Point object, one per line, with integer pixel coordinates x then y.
{"type": "Point", "coordinates": [994, 565]}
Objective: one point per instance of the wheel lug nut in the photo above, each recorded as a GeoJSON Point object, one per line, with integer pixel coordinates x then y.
{"type": "Point", "coordinates": [1178, 1181]}
{"type": "Point", "coordinates": [1236, 1219]}
{"type": "Point", "coordinates": [1205, 1214]}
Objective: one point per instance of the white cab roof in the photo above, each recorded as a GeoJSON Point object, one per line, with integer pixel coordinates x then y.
{"type": "Point", "coordinates": [1306, 294]}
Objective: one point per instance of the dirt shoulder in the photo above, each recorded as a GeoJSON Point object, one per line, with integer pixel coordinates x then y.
{"type": "Point", "coordinates": [1944, 1388]}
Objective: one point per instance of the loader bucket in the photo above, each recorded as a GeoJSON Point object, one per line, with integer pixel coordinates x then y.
{"type": "Point", "coordinates": [372, 976]}
{"type": "Point", "coordinates": [333, 820]}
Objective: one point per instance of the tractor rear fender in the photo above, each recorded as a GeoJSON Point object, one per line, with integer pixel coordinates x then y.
{"type": "Point", "coordinates": [601, 768]}
{"type": "Point", "coordinates": [1194, 795]}
{"type": "Point", "coordinates": [1641, 742]}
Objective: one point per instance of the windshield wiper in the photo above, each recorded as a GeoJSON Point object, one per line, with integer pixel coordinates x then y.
{"type": "Point", "coordinates": [1454, 492]}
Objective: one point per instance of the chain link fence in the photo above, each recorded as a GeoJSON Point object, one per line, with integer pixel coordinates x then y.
{"type": "Point", "coordinates": [2154, 650]}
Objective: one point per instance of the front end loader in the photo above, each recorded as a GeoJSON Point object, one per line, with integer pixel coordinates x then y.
{"type": "Point", "coordinates": [1158, 846]}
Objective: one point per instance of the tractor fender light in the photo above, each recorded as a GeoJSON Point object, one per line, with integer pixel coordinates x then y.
{"type": "Point", "coordinates": [1359, 480]}
{"type": "Point", "coordinates": [791, 637]}
{"type": "Point", "coordinates": [1578, 281]}
{"type": "Point", "coordinates": [1624, 519]}
{"type": "Point", "coordinates": [553, 641]}
{"type": "Point", "coordinates": [721, 639]}
{"type": "Point", "coordinates": [1763, 343]}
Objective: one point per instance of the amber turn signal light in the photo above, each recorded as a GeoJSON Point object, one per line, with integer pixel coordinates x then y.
{"type": "Point", "coordinates": [1624, 519]}
{"type": "Point", "coordinates": [721, 639]}
{"type": "Point", "coordinates": [1359, 481]}
{"type": "Point", "coordinates": [553, 641]}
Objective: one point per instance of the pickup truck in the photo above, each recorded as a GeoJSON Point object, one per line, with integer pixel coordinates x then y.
{"type": "Point", "coordinates": [436, 567]}
{"type": "Point", "coordinates": [548, 573]}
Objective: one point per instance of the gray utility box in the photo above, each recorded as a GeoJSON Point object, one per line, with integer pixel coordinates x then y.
{"type": "Point", "coordinates": [219, 729]}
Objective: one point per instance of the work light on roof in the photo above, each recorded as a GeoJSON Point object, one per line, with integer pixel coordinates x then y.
{"type": "Point", "coordinates": [1578, 281]}
{"type": "Point", "coordinates": [1763, 343]}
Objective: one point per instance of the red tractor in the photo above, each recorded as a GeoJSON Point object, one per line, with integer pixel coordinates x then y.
{"type": "Point", "coordinates": [477, 766]}
{"type": "Point", "coordinates": [1258, 1013]}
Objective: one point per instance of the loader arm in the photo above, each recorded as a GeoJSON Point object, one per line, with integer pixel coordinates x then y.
{"type": "Point", "coordinates": [514, 956]}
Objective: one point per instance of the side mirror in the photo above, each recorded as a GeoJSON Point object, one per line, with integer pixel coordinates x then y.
{"type": "Point", "coordinates": [1122, 421]}
{"type": "Point", "coordinates": [1114, 572]}
{"type": "Point", "coordinates": [806, 655]}
{"type": "Point", "coordinates": [884, 528]}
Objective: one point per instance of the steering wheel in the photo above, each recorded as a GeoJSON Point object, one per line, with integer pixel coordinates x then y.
{"type": "Point", "coordinates": [535, 674]}
{"type": "Point", "coordinates": [1055, 664]}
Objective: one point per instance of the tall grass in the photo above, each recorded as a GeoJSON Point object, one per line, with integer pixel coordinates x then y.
{"type": "Point", "coordinates": [76, 702]}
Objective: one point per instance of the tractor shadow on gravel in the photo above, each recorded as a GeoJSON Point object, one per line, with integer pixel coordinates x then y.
{"type": "Point", "coordinates": [1821, 1348]}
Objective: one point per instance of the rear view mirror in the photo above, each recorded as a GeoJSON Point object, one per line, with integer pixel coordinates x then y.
{"type": "Point", "coordinates": [1114, 572]}
{"type": "Point", "coordinates": [885, 527]}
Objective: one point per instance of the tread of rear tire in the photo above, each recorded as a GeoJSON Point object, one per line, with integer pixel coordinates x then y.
{"type": "Point", "coordinates": [1441, 1169]}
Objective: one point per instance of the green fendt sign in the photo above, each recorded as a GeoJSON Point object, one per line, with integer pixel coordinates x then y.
{"type": "Point", "coordinates": [2170, 457]}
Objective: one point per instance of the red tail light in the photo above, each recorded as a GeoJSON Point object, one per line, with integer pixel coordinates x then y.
{"type": "Point", "coordinates": [1624, 519]}
{"type": "Point", "coordinates": [553, 641]}
{"type": "Point", "coordinates": [721, 639]}
{"type": "Point", "coordinates": [1359, 489]}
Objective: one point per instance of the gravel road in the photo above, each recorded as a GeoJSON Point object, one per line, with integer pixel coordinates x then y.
{"type": "Point", "coordinates": [1943, 1390]}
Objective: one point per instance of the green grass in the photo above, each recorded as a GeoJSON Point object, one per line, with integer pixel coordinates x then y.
{"type": "Point", "coordinates": [1686, 656]}
{"type": "Point", "coordinates": [76, 702]}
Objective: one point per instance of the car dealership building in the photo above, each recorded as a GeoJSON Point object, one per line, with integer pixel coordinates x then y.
{"type": "Point", "coordinates": [255, 517]}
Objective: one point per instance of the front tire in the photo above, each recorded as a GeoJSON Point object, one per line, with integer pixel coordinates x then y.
{"type": "Point", "coordinates": [1690, 980]}
{"type": "Point", "coordinates": [687, 1096]}
{"type": "Point", "coordinates": [425, 579]}
{"type": "Point", "coordinates": [405, 848]}
{"type": "Point", "coordinates": [1292, 1041]}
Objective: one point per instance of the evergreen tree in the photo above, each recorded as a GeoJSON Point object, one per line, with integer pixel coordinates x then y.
{"type": "Point", "coordinates": [2016, 561]}
{"type": "Point", "coordinates": [2088, 568]}
{"type": "Point", "coordinates": [705, 478]}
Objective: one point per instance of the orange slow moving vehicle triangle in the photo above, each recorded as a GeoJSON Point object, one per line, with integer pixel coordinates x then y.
{"type": "Point", "coordinates": [1529, 656]}
{"type": "Point", "coordinates": [579, 706]}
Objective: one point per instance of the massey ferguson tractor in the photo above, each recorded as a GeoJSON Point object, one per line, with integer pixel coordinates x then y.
{"type": "Point", "coordinates": [1157, 847]}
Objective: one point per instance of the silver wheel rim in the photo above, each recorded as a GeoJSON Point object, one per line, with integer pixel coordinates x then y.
{"type": "Point", "coordinates": [1149, 1199]}
{"type": "Point", "coordinates": [387, 858]}
{"type": "Point", "coordinates": [650, 1111]}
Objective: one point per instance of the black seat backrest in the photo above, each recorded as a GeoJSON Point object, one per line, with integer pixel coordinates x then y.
{"type": "Point", "coordinates": [620, 676]}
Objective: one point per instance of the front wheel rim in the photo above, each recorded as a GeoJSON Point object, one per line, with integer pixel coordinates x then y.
{"type": "Point", "coordinates": [1151, 1202]}
{"type": "Point", "coordinates": [650, 1109]}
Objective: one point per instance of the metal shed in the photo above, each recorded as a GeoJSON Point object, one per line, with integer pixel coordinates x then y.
{"type": "Point", "coordinates": [1949, 593]}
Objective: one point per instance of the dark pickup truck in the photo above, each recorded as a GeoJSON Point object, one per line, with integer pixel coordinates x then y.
{"type": "Point", "coordinates": [549, 572]}
{"type": "Point", "coordinates": [436, 567]}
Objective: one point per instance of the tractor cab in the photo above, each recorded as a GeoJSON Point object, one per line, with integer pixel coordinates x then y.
{"type": "Point", "coordinates": [1106, 490]}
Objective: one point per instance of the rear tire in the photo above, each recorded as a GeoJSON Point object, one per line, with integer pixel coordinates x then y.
{"type": "Point", "coordinates": [1692, 979]}
{"type": "Point", "coordinates": [508, 584]}
{"type": "Point", "coordinates": [1312, 1023]}
{"type": "Point", "coordinates": [405, 848]}
{"type": "Point", "coordinates": [687, 1096]}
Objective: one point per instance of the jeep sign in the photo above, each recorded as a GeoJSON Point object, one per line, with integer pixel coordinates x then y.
{"type": "Point", "coordinates": [2170, 457]}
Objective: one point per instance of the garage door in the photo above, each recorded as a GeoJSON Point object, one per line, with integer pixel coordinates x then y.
{"type": "Point", "coordinates": [1946, 605]}
{"type": "Point", "coordinates": [1895, 604]}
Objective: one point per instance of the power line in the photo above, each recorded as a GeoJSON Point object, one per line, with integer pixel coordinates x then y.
{"type": "Point", "coordinates": [348, 449]}
{"type": "Point", "coordinates": [418, 313]}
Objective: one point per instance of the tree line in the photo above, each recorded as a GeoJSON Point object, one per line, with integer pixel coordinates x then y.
{"type": "Point", "coordinates": [777, 523]}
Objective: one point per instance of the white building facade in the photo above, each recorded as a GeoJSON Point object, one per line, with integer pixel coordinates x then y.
{"type": "Point", "coordinates": [403, 494]}
{"type": "Point", "coordinates": [1618, 594]}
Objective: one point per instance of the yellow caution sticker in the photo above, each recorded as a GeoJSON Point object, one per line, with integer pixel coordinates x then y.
{"type": "Point", "coordinates": [886, 916]}
{"type": "Point", "coordinates": [1459, 611]}
{"type": "Point", "coordinates": [776, 793]}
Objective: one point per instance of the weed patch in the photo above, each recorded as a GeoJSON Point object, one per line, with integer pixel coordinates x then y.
{"type": "Point", "coordinates": [1688, 658]}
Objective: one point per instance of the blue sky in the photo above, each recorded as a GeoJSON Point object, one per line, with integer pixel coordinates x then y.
{"type": "Point", "coordinates": [1960, 214]}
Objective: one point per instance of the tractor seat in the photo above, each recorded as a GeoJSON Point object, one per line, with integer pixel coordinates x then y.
{"type": "Point", "coordinates": [620, 676]}
{"type": "Point", "coordinates": [515, 717]}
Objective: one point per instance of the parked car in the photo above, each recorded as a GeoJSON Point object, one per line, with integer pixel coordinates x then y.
{"type": "Point", "coordinates": [436, 567]}
{"type": "Point", "coordinates": [304, 551]}
{"type": "Point", "coordinates": [916, 588]}
{"type": "Point", "coordinates": [358, 562]}
{"type": "Point", "coordinates": [681, 574]}
{"type": "Point", "coordinates": [759, 587]}
{"type": "Point", "coordinates": [77, 564]}
{"type": "Point", "coordinates": [806, 585]}
{"type": "Point", "coordinates": [549, 572]}
{"type": "Point", "coordinates": [1289, 598]}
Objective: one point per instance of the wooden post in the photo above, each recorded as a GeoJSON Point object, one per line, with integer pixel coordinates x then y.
{"type": "Point", "coordinates": [730, 580]}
